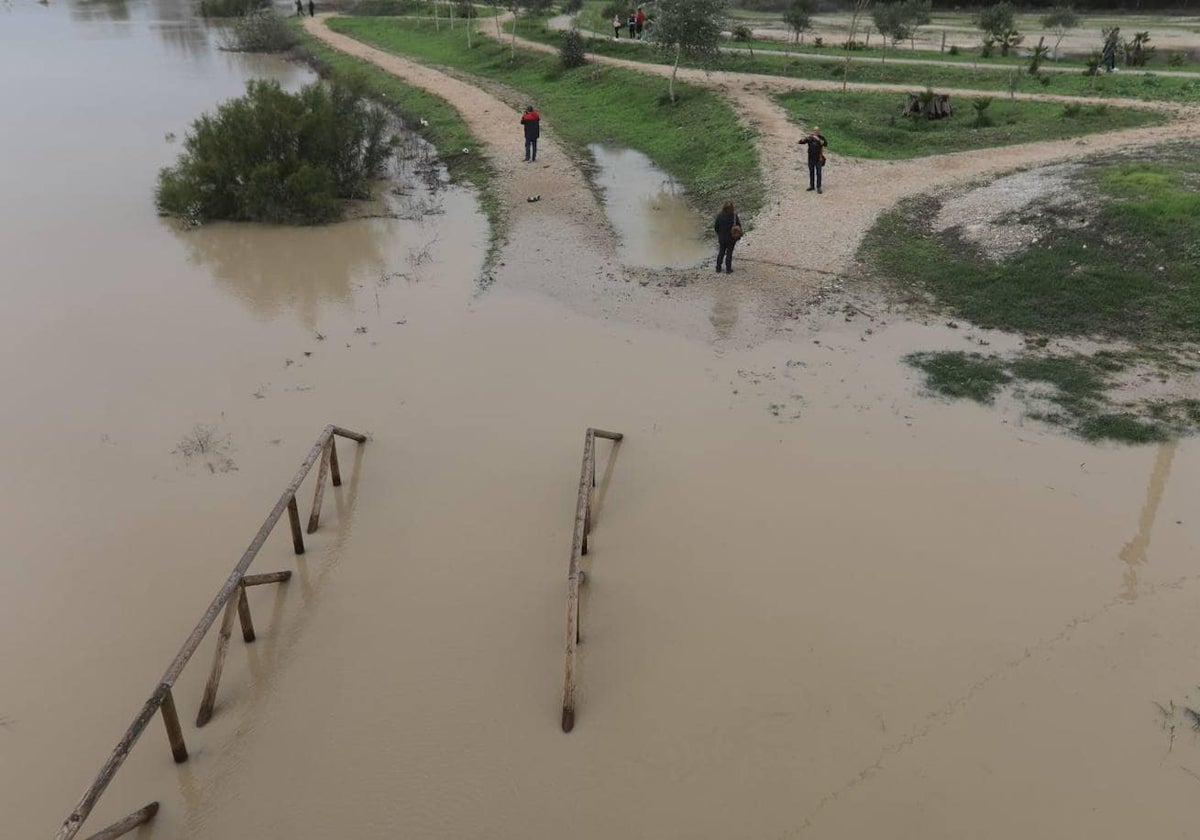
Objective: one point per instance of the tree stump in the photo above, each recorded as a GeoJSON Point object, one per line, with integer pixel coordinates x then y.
{"type": "Point", "coordinates": [931, 106]}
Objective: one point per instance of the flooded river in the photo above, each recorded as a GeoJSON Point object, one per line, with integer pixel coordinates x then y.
{"type": "Point", "coordinates": [819, 604]}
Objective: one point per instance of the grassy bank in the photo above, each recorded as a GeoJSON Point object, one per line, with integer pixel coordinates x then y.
{"type": "Point", "coordinates": [869, 125]}
{"type": "Point", "coordinates": [442, 126]}
{"type": "Point", "coordinates": [1115, 258]}
{"type": "Point", "coordinates": [697, 140]}
{"type": "Point", "coordinates": [1125, 84]}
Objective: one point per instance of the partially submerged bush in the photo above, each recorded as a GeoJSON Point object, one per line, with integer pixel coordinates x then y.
{"type": "Point", "coordinates": [231, 8]}
{"type": "Point", "coordinates": [273, 156]}
{"type": "Point", "coordinates": [260, 31]}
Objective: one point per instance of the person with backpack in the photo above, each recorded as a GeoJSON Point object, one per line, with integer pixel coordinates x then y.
{"type": "Point", "coordinates": [729, 230]}
{"type": "Point", "coordinates": [816, 143]}
{"type": "Point", "coordinates": [532, 122]}
{"type": "Point", "coordinates": [616, 27]}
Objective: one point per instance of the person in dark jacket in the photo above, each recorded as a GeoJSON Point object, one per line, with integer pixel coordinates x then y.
{"type": "Point", "coordinates": [312, 8]}
{"type": "Point", "coordinates": [532, 122]}
{"type": "Point", "coordinates": [724, 225]}
{"type": "Point", "coordinates": [632, 21]}
{"type": "Point", "coordinates": [300, 8]}
{"type": "Point", "coordinates": [816, 157]}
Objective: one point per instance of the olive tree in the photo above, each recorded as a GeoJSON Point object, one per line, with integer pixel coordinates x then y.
{"type": "Point", "coordinates": [688, 27]}
{"type": "Point", "coordinates": [1059, 20]}
{"type": "Point", "coordinates": [798, 17]}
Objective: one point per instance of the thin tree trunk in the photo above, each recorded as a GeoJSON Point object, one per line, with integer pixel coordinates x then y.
{"type": "Point", "coordinates": [513, 53]}
{"type": "Point", "coordinates": [451, 15]}
{"type": "Point", "coordinates": [674, 70]}
{"type": "Point", "coordinates": [437, 23]}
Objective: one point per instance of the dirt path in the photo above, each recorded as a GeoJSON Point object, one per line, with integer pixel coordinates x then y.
{"type": "Point", "coordinates": [799, 238]}
{"type": "Point", "coordinates": [566, 226]}
{"type": "Point", "coordinates": [800, 242]}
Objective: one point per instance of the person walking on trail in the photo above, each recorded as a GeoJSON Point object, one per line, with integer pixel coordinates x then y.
{"type": "Point", "coordinates": [532, 122]}
{"type": "Point", "coordinates": [641, 21]}
{"type": "Point", "coordinates": [312, 8]}
{"type": "Point", "coordinates": [632, 23]}
{"type": "Point", "coordinates": [616, 27]}
{"type": "Point", "coordinates": [729, 230]}
{"type": "Point", "coordinates": [1111, 40]}
{"type": "Point", "coordinates": [300, 8]}
{"type": "Point", "coordinates": [816, 143]}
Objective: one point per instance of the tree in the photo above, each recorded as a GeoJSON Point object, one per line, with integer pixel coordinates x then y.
{"type": "Point", "coordinates": [998, 24]}
{"type": "Point", "coordinates": [743, 34]}
{"type": "Point", "coordinates": [918, 13]}
{"type": "Point", "coordinates": [798, 17]}
{"type": "Point", "coordinates": [689, 27]}
{"type": "Point", "coordinates": [1059, 20]}
{"type": "Point", "coordinates": [860, 7]}
{"type": "Point", "coordinates": [891, 20]}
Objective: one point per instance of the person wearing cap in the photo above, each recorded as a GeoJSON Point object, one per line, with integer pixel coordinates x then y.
{"type": "Point", "coordinates": [816, 143]}
{"type": "Point", "coordinates": [532, 122]}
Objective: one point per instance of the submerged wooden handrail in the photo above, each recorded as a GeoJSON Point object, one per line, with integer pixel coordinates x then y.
{"type": "Point", "coordinates": [575, 576]}
{"type": "Point", "coordinates": [162, 698]}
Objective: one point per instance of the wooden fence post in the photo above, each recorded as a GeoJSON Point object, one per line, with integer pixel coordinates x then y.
{"type": "Point", "coordinates": [214, 677]}
{"type": "Point", "coordinates": [244, 614]}
{"type": "Point", "coordinates": [174, 731]}
{"type": "Point", "coordinates": [294, 520]}
{"type": "Point", "coordinates": [314, 518]}
{"type": "Point", "coordinates": [334, 472]}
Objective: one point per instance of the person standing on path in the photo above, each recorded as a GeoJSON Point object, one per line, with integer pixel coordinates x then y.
{"type": "Point", "coordinates": [312, 8]}
{"type": "Point", "coordinates": [300, 8]}
{"type": "Point", "coordinates": [729, 230]}
{"type": "Point", "coordinates": [616, 27]}
{"type": "Point", "coordinates": [632, 23]}
{"type": "Point", "coordinates": [816, 157]}
{"type": "Point", "coordinates": [532, 122]}
{"type": "Point", "coordinates": [641, 21]}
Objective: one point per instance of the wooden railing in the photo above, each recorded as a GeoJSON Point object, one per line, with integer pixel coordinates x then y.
{"type": "Point", "coordinates": [575, 575]}
{"type": "Point", "coordinates": [231, 597]}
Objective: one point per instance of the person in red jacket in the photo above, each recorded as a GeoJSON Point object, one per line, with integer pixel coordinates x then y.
{"type": "Point", "coordinates": [532, 122]}
{"type": "Point", "coordinates": [641, 21]}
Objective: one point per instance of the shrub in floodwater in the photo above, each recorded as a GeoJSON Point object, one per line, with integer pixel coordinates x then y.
{"type": "Point", "coordinates": [231, 8]}
{"type": "Point", "coordinates": [260, 31]}
{"type": "Point", "coordinates": [273, 156]}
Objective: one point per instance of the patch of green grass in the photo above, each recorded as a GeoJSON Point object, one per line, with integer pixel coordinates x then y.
{"type": "Point", "coordinates": [1078, 382]}
{"type": "Point", "coordinates": [698, 140]}
{"type": "Point", "coordinates": [869, 125]}
{"type": "Point", "coordinates": [962, 375]}
{"type": "Point", "coordinates": [1133, 272]}
{"type": "Point", "coordinates": [444, 128]}
{"type": "Point", "coordinates": [1129, 84]}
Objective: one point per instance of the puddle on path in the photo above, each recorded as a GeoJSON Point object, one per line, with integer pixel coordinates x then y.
{"type": "Point", "coordinates": [820, 604]}
{"type": "Point", "coordinates": [655, 226]}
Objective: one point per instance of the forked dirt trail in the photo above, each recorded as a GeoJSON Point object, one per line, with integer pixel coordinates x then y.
{"type": "Point", "coordinates": [798, 243]}
{"type": "Point", "coordinates": [800, 237]}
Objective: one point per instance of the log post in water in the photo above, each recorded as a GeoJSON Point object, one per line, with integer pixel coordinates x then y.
{"type": "Point", "coordinates": [174, 731]}
{"type": "Point", "coordinates": [243, 605]}
{"type": "Point", "coordinates": [214, 676]}
{"type": "Point", "coordinates": [314, 518]}
{"type": "Point", "coordinates": [294, 520]}
{"type": "Point", "coordinates": [128, 824]}
{"type": "Point", "coordinates": [334, 472]}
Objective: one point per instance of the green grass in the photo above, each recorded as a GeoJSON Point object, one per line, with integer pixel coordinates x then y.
{"type": "Point", "coordinates": [961, 375]}
{"type": "Point", "coordinates": [698, 140]}
{"type": "Point", "coordinates": [1125, 84]}
{"type": "Point", "coordinates": [1130, 275]}
{"type": "Point", "coordinates": [446, 130]}
{"type": "Point", "coordinates": [869, 125]}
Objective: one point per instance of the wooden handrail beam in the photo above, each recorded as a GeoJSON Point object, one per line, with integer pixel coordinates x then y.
{"type": "Point", "coordinates": [161, 697]}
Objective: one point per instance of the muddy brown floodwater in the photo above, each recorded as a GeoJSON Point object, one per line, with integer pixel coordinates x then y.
{"type": "Point", "coordinates": [820, 604]}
